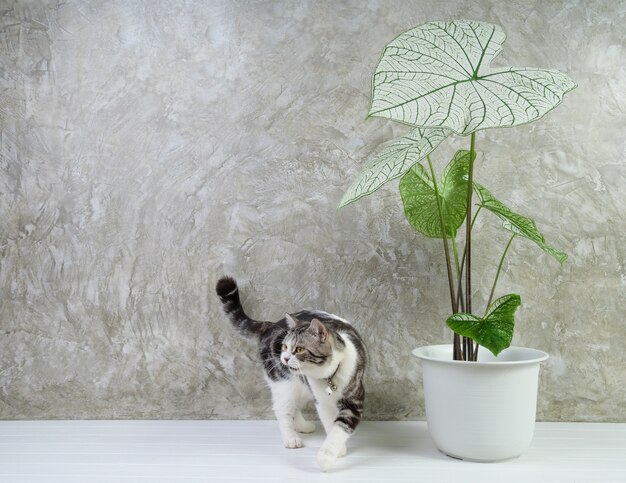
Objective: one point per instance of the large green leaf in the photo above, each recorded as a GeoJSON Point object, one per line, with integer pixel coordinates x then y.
{"type": "Point", "coordinates": [435, 75]}
{"type": "Point", "coordinates": [516, 223]}
{"type": "Point", "coordinates": [394, 161]}
{"type": "Point", "coordinates": [493, 331]}
{"type": "Point", "coordinates": [420, 201]}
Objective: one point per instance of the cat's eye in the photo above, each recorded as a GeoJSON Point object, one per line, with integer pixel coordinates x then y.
{"type": "Point", "coordinates": [299, 350]}
{"type": "Point", "coordinates": [283, 348]}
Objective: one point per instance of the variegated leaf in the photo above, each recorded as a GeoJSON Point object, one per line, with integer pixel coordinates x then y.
{"type": "Point", "coordinates": [394, 161]}
{"type": "Point", "coordinates": [436, 75]}
{"type": "Point", "coordinates": [420, 201]}
{"type": "Point", "coordinates": [493, 331]}
{"type": "Point", "coordinates": [516, 223]}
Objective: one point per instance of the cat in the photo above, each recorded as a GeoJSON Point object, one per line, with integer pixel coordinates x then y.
{"type": "Point", "coordinates": [307, 355]}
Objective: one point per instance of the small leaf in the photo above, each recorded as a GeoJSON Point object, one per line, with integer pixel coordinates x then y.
{"type": "Point", "coordinates": [557, 254]}
{"type": "Point", "coordinates": [420, 202]}
{"type": "Point", "coordinates": [493, 331]}
{"type": "Point", "coordinates": [394, 161]}
{"type": "Point", "coordinates": [516, 223]}
{"type": "Point", "coordinates": [435, 75]}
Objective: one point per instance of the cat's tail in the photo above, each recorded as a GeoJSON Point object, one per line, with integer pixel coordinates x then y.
{"type": "Point", "coordinates": [228, 292]}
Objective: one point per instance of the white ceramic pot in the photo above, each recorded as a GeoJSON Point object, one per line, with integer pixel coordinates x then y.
{"type": "Point", "coordinates": [485, 410]}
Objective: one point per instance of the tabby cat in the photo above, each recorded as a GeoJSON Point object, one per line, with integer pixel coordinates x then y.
{"type": "Point", "coordinates": [307, 355]}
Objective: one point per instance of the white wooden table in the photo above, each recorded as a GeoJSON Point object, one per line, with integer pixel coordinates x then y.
{"type": "Point", "coordinates": [242, 451]}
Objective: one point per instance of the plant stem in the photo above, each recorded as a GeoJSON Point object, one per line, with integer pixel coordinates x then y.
{"type": "Point", "coordinates": [493, 288]}
{"type": "Point", "coordinates": [446, 250]}
{"type": "Point", "coordinates": [457, 264]}
{"type": "Point", "coordinates": [470, 349]}
{"type": "Point", "coordinates": [457, 354]}
{"type": "Point", "coordinates": [460, 303]}
{"type": "Point", "coordinates": [495, 281]}
{"type": "Point", "coordinates": [468, 241]}
{"type": "Point", "coordinates": [459, 299]}
{"type": "Point", "coordinates": [459, 276]}
{"type": "Point", "coordinates": [468, 231]}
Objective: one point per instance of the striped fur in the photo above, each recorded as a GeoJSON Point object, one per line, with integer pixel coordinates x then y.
{"type": "Point", "coordinates": [303, 355]}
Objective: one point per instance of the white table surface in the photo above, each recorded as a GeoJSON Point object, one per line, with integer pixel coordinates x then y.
{"type": "Point", "coordinates": [242, 451]}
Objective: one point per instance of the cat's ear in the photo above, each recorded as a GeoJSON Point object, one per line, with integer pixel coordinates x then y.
{"type": "Point", "coordinates": [291, 322]}
{"type": "Point", "coordinates": [318, 329]}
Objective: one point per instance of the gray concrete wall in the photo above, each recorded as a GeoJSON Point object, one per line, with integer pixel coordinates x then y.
{"type": "Point", "coordinates": [147, 147]}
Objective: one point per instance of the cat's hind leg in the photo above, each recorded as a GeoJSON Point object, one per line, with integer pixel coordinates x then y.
{"type": "Point", "coordinates": [302, 425]}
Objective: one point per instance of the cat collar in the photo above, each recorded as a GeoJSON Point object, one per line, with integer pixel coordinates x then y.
{"type": "Point", "coordinates": [331, 386]}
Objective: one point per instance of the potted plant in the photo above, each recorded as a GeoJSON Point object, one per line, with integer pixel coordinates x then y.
{"type": "Point", "coordinates": [434, 78]}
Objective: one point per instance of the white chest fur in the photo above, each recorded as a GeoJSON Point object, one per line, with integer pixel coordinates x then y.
{"type": "Point", "coordinates": [327, 386]}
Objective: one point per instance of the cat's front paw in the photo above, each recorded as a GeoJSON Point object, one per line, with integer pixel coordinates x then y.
{"type": "Point", "coordinates": [326, 458]}
{"type": "Point", "coordinates": [293, 442]}
{"type": "Point", "coordinates": [343, 451]}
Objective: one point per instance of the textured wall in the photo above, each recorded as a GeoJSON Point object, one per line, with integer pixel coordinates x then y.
{"type": "Point", "coordinates": [148, 147]}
